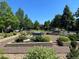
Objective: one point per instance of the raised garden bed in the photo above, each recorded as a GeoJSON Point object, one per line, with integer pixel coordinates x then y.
{"type": "Point", "coordinates": [63, 41]}
{"type": "Point", "coordinates": [29, 40]}
{"type": "Point", "coordinates": [30, 44]}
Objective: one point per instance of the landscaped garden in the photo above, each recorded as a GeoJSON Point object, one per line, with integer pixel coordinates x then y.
{"type": "Point", "coordinates": [22, 34]}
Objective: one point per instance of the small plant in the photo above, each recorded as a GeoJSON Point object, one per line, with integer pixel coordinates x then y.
{"type": "Point", "coordinates": [40, 53]}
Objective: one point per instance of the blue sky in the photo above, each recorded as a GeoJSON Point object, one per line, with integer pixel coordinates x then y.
{"type": "Point", "coordinates": [43, 10]}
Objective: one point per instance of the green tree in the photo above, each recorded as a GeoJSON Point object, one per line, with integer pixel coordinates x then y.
{"type": "Point", "coordinates": [1, 24]}
{"type": "Point", "coordinates": [77, 19]}
{"type": "Point", "coordinates": [20, 16]}
{"type": "Point", "coordinates": [7, 18]}
{"type": "Point", "coordinates": [74, 51]}
{"type": "Point", "coordinates": [56, 22]}
{"type": "Point", "coordinates": [47, 25]}
{"type": "Point", "coordinates": [67, 18]}
{"type": "Point", "coordinates": [28, 23]}
{"type": "Point", "coordinates": [36, 25]}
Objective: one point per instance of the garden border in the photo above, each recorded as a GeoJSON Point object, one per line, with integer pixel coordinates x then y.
{"type": "Point", "coordinates": [30, 44]}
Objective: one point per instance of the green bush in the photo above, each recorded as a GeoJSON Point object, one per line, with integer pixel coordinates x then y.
{"type": "Point", "coordinates": [46, 38]}
{"type": "Point", "coordinates": [37, 38]}
{"type": "Point", "coordinates": [72, 37]}
{"type": "Point", "coordinates": [14, 33]}
{"type": "Point", "coordinates": [40, 53]}
{"type": "Point", "coordinates": [7, 35]}
{"type": "Point", "coordinates": [23, 33]}
{"type": "Point", "coordinates": [21, 38]}
{"type": "Point", "coordinates": [77, 37]}
{"type": "Point", "coordinates": [2, 57]}
{"type": "Point", "coordinates": [41, 39]}
{"type": "Point", "coordinates": [64, 39]}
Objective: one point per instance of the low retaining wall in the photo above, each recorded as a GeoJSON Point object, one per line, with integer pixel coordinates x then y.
{"type": "Point", "coordinates": [30, 44]}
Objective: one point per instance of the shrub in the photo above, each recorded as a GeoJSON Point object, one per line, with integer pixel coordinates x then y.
{"type": "Point", "coordinates": [14, 33]}
{"type": "Point", "coordinates": [2, 57]}
{"type": "Point", "coordinates": [40, 53]}
{"type": "Point", "coordinates": [64, 39]}
{"type": "Point", "coordinates": [77, 37]}
{"type": "Point", "coordinates": [8, 34]}
{"type": "Point", "coordinates": [23, 33]}
{"type": "Point", "coordinates": [46, 38]}
{"type": "Point", "coordinates": [37, 39]}
{"type": "Point", "coordinates": [21, 38]}
{"type": "Point", "coordinates": [72, 37]}
{"type": "Point", "coordinates": [41, 39]}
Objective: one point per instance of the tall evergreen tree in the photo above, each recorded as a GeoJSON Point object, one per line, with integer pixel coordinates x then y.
{"type": "Point", "coordinates": [67, 18]}
{"type": "Point", "coordinates": [56, 22]}
{"type": "Point", "coordinates": [28, 23]}
{"type": "Point", "coordinates": [77, 19]}
{"type": "Point", "coordinates": [20, 16]}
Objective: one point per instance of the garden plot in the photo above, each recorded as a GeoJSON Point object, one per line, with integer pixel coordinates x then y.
{"type": "Point", "coordinates": [30, 40]}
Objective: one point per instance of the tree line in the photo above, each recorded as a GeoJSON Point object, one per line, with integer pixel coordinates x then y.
{"type": "Point", "coordinates": [20, 20]}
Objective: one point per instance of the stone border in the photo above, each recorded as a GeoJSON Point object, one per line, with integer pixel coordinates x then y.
{"type": "Point", "coordinates": [30, 44]}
